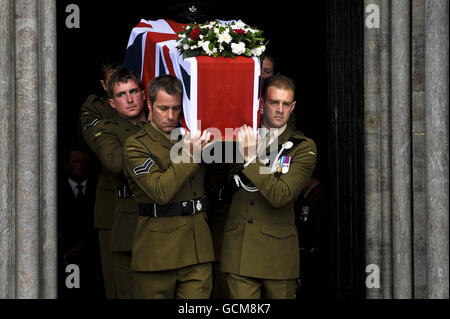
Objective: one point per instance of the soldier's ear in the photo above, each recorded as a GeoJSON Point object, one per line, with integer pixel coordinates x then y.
{"type": "Point", "coordinates": [293, 106]}
{"type": "Point", "coordinates": [150, 114]}
{"type": "Point", "coordinates": [102, 82]}
{"type": "Point", "coordinates": [112, 103]}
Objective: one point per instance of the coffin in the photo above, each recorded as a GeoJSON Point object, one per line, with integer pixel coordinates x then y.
{"type": "Point", "coordinates": [220, 93]}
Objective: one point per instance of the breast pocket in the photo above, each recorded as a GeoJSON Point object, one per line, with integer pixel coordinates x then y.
{"type": "Point", "coordinates": [278, 231]}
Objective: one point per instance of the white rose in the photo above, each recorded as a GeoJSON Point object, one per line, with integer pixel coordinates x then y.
{"type": "Point", "coordinates": [224, 37]}
{"type": "Point", "coordinates": [238, 48]}
{"type": "Point", "coordinates": [239, 25]}
{"type": "Point", "coordinates": [205, 46]}
{"type": "Point", "coordinates": [186, 47]}
{"type": "Point", "coordinates": [258, 51]}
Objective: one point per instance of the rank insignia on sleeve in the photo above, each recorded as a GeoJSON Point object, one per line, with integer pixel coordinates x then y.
{"type": "Point", "coordinates": [283, 164]}
{"type": "Point", "coordinates": [144, 168]}
{"type": "Point", "coordinates": [93, 123]}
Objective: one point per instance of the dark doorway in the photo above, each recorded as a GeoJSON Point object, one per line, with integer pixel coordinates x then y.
{"type": "Point", "coordinates": [345, 35]}
{"type": "Point", "coordinates": [319, 45]}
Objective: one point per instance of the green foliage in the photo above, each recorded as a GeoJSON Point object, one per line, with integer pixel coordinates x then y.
{"type": "Point", "coordinates": [190, 43]}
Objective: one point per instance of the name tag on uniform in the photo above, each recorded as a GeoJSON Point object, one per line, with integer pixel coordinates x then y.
{"type": "Point", "coordinates": [283, 164]}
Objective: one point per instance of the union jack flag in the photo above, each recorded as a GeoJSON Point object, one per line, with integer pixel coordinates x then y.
{"type": "Point", "coordinates": [221, 92]}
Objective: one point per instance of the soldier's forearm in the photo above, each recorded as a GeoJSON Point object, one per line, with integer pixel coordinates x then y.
{"type": "Point", "coordinates": [161, 186]}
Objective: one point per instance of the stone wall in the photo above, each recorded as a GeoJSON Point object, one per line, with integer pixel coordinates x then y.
{"type": "Point", "coordinates": [406, 147]}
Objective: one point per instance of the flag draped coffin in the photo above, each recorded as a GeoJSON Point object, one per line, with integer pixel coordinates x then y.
{"type": "Point", "coordinates": [222, 93]}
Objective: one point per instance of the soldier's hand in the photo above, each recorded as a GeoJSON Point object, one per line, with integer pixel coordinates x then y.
{"type": "Point", "coordinates": [248, 143]}
{"type": "Point", "coordinates": [205, 139]}
{"type": "Point", "coordinates": [193, 145]}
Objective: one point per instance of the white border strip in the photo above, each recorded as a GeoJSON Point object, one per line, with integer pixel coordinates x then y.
{"type": "Point", "coordinates": [256, 82]}
{"type": "Point", "coordinates": [194, 88]}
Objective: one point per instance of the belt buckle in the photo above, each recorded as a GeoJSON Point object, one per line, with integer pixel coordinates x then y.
{"type": "Point", "coordinates": [154, 211]}
{"type": "Point", "coordinates": [198, 205]}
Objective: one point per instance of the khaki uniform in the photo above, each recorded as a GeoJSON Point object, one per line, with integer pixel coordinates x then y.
{"type": "Point", "coordinates": [166, 243]}
{"type": "Point", "coordinates": [260, 239]}
{"type": "Point", "coordinates": [110, 135]}
{"type": "Point", "coordinates": [96, 108]}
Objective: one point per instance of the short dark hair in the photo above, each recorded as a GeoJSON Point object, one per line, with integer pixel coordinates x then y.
{"type": "Point", "coordinates": [170, 84]}
{"type": "Point", "coordinates": [270, 58]}
{"type": "Point", "coordinates": [279, 81]}
{"type": "Point", "coordinates": [121, 75]}
{"type": "Point", "coordinates": [75, 145]}
{"type": "Point", "coordinates": [111, 62]}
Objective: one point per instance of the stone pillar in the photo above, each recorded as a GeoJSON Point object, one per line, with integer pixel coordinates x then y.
{"type": "Point", "coordinates": [27, 149]}
{"type": "Point", "coordinates": [385, 148]}
{"type": "Point", "coordinates": [437, 174]}
{"type": "Point", "coordinates": [401, 148]}
{"type": "Point", "coordinates": [7, 154]}
{"type": "Point", "coordinates": [418, 148]}
{"type": "Point", "coordinates": [378, 157]}
{"type": "Point", "coordinates": [28, 163]}
{"type": "Point", "coordinates": [371, 149]}
{"type": "Point", "coordinates": [406, 118]}
{"type": "Point", "coordinates": [48, 142]}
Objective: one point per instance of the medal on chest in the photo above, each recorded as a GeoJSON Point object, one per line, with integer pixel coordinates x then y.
{"type": "Point", "coordinates": [283, 164]}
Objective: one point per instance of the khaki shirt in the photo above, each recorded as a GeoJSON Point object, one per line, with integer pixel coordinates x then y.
{"type": "Point", "coordinates": [165, 243]}
{"type": "Point", "coordinates": [109, 138]}
{"type": "Point", "coordinates": [260, 238]}
{"type": "Point", "coordinates": [92, 111]}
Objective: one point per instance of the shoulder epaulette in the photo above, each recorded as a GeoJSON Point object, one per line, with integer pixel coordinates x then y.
{"type": "Point", "coordinates": [139, 134]}
{"type": "Point", "coordinates": [91, 98]}
{"type": "Point", "coordinates": [298, 135]}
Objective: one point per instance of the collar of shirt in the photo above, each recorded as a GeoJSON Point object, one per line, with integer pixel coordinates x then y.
{"type": "Point", "coordinates": [74, 185]}
{"type": "Point", "coordinates": [274, 132]}
{"type": "Point", "coordinates": [139, 124]}
{"type": "Point", "coordinates": [163, 133]}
